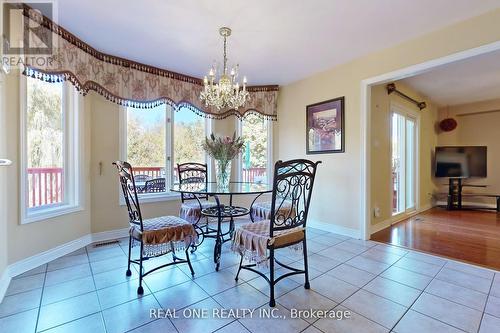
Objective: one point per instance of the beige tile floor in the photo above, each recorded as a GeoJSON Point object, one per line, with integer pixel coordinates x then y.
{"type": "Point", "coordinates": [385, 288]}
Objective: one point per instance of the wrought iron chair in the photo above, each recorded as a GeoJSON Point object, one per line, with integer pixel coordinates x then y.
{"type": "Point", "coordinates": [156, 236]}
{"type": "Point", "coordinates": [192, 205]}
{"type": "Point", "coordinates": [257, 242]}
{"type": "Point", "coordinates": [154, 185]}
{"type": "Point", "coordinates": [142, 178]}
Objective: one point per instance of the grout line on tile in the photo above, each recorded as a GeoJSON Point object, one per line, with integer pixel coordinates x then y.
{"type": "Point", "coordinates": [41, 298]}
{"type": "Point", "coordinates": [96, 294]}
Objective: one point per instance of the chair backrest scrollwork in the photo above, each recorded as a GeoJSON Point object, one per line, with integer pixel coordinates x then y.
{"type": "Point", "coordinates": [192, 173]}
{"type": "Point", "coordinates": [127, 183]}
{"type": "Point", "coordinates": [292, 188]}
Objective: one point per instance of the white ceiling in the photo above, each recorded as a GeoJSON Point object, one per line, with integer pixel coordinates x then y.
{"type": "Point", "coordinates": [274, 41]}
{"type": "Point", "coordinates": [471, 80]}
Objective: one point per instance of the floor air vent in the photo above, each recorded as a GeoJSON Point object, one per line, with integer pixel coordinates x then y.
{"type": "Point", "coordinates": [106, 243]}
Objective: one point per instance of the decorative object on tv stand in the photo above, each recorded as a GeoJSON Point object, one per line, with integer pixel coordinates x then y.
{"type": "Point", "coordinates": [223, 150]}
{"type": "Point", "coordinates": [227, 92]}
{"type": "Point", "coordinates": [325, 127]}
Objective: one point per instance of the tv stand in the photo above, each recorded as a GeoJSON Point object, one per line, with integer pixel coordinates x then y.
{"type": "Point", "coordinates": [455, 195]}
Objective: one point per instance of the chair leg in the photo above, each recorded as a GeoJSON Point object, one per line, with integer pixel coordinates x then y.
{"type": "Point", "coordinates": [140, 290]}
{"type": "Point", "coordinates": [129, 272]}
{"type": "Point", "coordinates": [189, 261]}
{"type": "Point", "coordinates": [272, 302]}
{"type": "Point", "coordinates": [174, 258]}
{"type": "Point", "coordinates": [306, 266]}
{"type": "Point", "coordinates": [239, 269]}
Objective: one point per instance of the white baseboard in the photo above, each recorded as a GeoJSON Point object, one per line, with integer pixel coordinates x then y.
{"type": "Point", "coordinates": [330, 227]}
{"type": "Point", "coordinates": [387, 223]}
{"type": "Point", "coordinates": [4, 283]}
{"type": "Point", "coordinates": [29, 263]}
{"type": "Point", "coordinates": [109, 235]}
{"type": "Point", "coordinates": [36, 260]}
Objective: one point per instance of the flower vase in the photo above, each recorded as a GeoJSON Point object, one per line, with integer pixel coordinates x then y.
{"type": "Point", "coordinates": [222, 173]}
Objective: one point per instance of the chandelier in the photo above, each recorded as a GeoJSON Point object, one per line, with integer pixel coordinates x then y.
{"type": "Point", "coordinates": [227, 92]}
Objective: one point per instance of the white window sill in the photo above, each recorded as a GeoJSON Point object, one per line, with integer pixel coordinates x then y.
{"type": "Point", "coordinates": [148, 198]}
{"type": "Point", "coordinates": [44, 213]}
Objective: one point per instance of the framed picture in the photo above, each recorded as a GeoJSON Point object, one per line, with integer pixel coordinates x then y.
{"type": "Point", "coordinates": [325, 127]}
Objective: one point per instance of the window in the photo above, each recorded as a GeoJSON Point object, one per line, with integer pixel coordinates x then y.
{"type": "Point", "coordinates": [155, 140]}
{"type": "Point", "coordinates": [190, 130]}
{"type": "Point", "coordinates": [147, 133]}
{"type": "Point", "coordinates": [404, 159]}
{"type": "Point", "coordinates": [256, 159]}
{"type": "Point", "coordinates": [50, 149]}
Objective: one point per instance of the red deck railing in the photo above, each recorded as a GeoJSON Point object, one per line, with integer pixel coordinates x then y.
{"type": "Point", "coordinates": [152, 172]}
{"type": "Point", "coordinates": [250, 175]}
{"type": "Point", "coordinates": [46, 185]}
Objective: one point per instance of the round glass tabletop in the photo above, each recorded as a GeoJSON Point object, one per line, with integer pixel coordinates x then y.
{"type": "Point", "coordinates": [212, 189]}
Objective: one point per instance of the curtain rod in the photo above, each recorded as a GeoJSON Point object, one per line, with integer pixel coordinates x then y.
{"type": "Point", "coordinates": [391, 88]}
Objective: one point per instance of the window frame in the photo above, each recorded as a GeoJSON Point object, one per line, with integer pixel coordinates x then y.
{"type": "Point", "coordinates": [270, 163]}
{"type": "Point", "coordinates": [169, 161]}
{"type": "Point", "coordinates": [72, 105]}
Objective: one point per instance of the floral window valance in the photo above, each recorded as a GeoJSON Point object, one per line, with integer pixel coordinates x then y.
{"type": "Point", "coordinates": [130, 83]}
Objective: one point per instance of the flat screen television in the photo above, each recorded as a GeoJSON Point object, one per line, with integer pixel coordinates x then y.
{"type": "Point", "coordinates": [461, 162]}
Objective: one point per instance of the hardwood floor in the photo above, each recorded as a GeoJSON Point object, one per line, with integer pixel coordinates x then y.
{"type": "Point", "coordinates": [471, 236]}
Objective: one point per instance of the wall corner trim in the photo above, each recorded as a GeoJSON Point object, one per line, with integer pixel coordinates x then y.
{"type": "Point", "coordinates": [36, 260]}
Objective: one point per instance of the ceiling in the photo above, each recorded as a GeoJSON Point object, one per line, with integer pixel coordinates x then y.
{"type": "Point", "coordinates": [274, 41]}
{"type": "Point", "coordinates": [466, 81]}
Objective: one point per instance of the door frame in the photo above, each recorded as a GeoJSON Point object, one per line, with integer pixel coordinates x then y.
{"type": "Point", "coordinates": [366, 84]}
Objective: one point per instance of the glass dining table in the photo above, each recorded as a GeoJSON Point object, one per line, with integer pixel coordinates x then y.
{"type": "Point", "coordinates": [223, 212]}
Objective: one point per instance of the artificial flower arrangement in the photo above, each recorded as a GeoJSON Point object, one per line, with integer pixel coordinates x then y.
{"type": "Point", "coordinates": [223, 149]}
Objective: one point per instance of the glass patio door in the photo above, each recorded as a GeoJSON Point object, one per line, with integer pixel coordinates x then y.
{"type": "Point", "coordinates": [404, 159]}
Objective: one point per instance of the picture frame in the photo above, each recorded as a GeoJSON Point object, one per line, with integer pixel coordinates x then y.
{"type": "Point", "coordinates": [325, 127]}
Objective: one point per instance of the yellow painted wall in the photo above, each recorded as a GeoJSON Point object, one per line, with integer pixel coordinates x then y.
{"type": "Point", "coordinates": [478, 125]}
{"type": "Point", "coordinates": [337, 197]}
{"type": "Point", "coordinates": [381, 195]}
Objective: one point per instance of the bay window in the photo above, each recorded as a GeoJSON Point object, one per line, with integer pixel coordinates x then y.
{"type": "Point", "coordinates": [49, 149]}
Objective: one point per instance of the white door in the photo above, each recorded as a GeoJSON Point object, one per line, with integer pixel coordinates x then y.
{"type": "Point", "coordinates": [404, 145]}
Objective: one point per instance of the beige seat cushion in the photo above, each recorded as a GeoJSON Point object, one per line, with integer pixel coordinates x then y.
{"type": "Point", "coordinates": [164, 229]}
{"type": "Point", "coordinates": [252, 240]}
{"type": "Point", "coordinates": [190, 210]}
{"type": "Point", "coordinates": [262, 210]}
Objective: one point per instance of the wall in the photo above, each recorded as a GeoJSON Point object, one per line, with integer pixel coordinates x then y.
{"type": "Point", "coordinates": [3, 182]}
{"type": "Point", "coordinates": [337, 197]}
{"type": "Point", "coordinates": [381, 195]}
{"type": "Point", "coordinates": [477, 126]}
{"type": "Point", "coordinates": [25, 240]}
